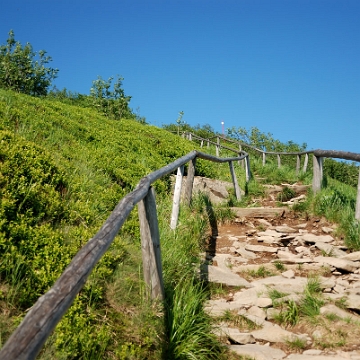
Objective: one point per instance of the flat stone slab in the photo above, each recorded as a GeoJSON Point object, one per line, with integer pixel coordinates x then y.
{"type": "Point", "coordinates": [248, 296]}
{"type": "Point", "coordinates": [355, 256]}
{"type": "Point", "coordinates": [259, 212]}
{"type": "Point", "coordinates": [289, 258]}
{"type": "Point", "coordinates": [273, 333]}
{"type": "Point", "coordinates": [258, 352]}
{"type": "Point", "coordinates": [223, 276]}
{"type": "Point", "coordinates": [282, 284]}
{"type": "Point", "coordinates": [316, 357]}
{"type": "Point", "coordinates": [346, 265]}
{"type": "Point", "coordinates": [261, 248]}
{"type": "Point", "coordinates": [330, 250]}
{"type": "Point", "coordinates": [235, 335]}
{"type": "Point", "coordinates": [285, 229]}
{"type": "Point", "coordinates": [217, 307]}
{"type": "Point", "coordinates": [333, 309]}
{"type": "Point", "coordinates": [312, 238]}
{"type": "Point", "coordinates": [244, 253]}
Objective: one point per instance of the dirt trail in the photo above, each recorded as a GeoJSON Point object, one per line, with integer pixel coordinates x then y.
{"type": "Point", "coordinates": [270, 272]}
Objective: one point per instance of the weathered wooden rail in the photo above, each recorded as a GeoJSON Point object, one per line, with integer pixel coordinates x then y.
{"type": "Point", "coordinates": [28, 339]}
{"type": "Point", "coordinates": [318, 156]}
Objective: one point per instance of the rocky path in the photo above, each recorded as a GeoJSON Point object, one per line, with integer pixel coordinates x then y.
{"type": "Point", "coordinates": [285, 287]}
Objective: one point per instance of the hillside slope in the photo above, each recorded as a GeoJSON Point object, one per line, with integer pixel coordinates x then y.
{"type": "Point", "coordinates": [62, 170]}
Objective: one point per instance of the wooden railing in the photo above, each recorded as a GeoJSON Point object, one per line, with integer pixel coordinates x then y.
{"type": "Point", "coordinates": [28, 339]}
{"type": "Point", "coordinates": [318, 156]}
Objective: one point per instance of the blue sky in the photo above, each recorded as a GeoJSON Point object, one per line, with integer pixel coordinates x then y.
{"type": "Point", "coordinates": [288, 67]}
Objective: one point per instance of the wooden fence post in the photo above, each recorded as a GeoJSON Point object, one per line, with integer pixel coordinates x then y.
{"type": "Point", "coordinates": [202, 143]}
{"type": "Point", "coordinates": [150, 245]}
{"type": "Point", "coordinates": [217, 146]}
{"type": "Point", "coordinates": [357, 209]}
{"type": "Point", "coordinates": [190, 182]}
{"type": "Point", "coordinates": [298, 164]}
{"type": "Point", "coordinates": [306, 162]}
{"type": "Point", "coordinates": [241, 162]}
{"type": "Point", "coordinates": [247, 168]}
{"type": "Point", "coordinates": [177, 195]}
{"type": "Point", "coordinates": [279, 161]}
{"type": "Point", "coordinates": [263, 158]}
{"type": "Point", "coordinates": [235, 182]}
{"type": "Point", "coordinates": [317, 173]}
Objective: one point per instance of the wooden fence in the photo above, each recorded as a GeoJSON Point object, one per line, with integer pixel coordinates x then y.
{"type": "Point", "coordinates": [28, 339]}
{"type": "Point", "coordinates": [318, 156]}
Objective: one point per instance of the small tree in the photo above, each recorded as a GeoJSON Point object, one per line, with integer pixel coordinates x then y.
{"type": "Point", "coordinates": [20, 71]}
{"type": "Point", "coordinates": [112, 103]}
{"type": "Point", "coordinates": [179, 121]}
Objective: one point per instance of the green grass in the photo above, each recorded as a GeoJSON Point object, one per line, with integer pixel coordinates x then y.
{"type": "Point", "coordinates": [72, 167]}
{"type": "Point", "coordinates": [261, 272]}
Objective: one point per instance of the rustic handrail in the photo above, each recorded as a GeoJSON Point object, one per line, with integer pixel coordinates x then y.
{"type": "Point", "coordinates": [318, 156]}
{"type": "Point", "coordinates": [27, 340]}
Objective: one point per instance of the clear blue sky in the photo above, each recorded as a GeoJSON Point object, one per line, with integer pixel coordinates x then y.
{"type": "Point", "coordinates": [288, 67]}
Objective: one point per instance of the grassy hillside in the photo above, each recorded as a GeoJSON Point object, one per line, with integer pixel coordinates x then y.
{"type": "Point", "coordinates": [62, 170]}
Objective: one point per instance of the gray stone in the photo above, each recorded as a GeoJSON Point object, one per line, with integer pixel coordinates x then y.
{"type": "Point", "coordinates": [355, 256]}
{"type": "Point", "coordinates": [245, 254]}
{"type": "Point", "coordinates": [247, 297]}
{"type": "Point", "coordinates": [272, 313]}
{"type": "Point", "coordinates": [223, 276]}
{"type": "Point", "coordinates": [269, 232]}
{"type": "Point", "coordinates": [264, 222]}
{"type": "Point", "coordinates": [341, 264]}
{"type": "Point", "coordinates": [267, 239]}
{"type": "Point", "coordinates": [273, 333]}
{"type": "Point", "coordinates": [312, 352]}
{"type": "Point", "coordinates": [258, 352]}
{"type": "Point", "coordinates": [312, 238]}
{"type": "Point", "coordinates": [282, 284]}
{"type": "Point", "coordinates": [256, 311]}
{"type": "Point", "coordinates": [235, 335]}
{"type": "Point", "coordinates": [353, 302]}
{"type": "Point", "coordinates": [330, 250]}
{"type": "Point", "coordinates": [217, 307]}
{"type": "Point", "coordinates": [263, 302]}
{"type": "Point", "coordinates": [290, 258]}
{"type": "Point", "coordinates": [327, 230]}
{"type": "Point", "coordinates": [316, 357]}
{"type": "Point", "coordinates": [333, 309]}
{"type": "Point", "coordinates": [285, 229]}
{"type": "Point", "coordinates": [217, 190]}
{"type": "Point", "coordinates": [288, 274]}
{"type": "Point", "coordinates": [261, 248]}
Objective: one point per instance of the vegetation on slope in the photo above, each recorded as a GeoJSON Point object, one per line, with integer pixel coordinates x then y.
{"type": "Point", "coordinates": [63, 169]}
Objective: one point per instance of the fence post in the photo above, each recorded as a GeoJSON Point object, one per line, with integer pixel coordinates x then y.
{"type": "Point", "coordinates": [317, 173]}
{"type": "Point", "coordinates": [306, 162]}
{"type": "Point", "coordinates": [263, 158]}
{"type": "Point", "coordinates": [241, 162]}
{"type": "Point", "coordinates": [150, 245]}
{"type": "Point", "coordinates": [190, 181]}
{"type": "Point", "coordinates": [202, 143]}
{"type": "Point", "coordinates": [357, 209]}
{"type": "Point", "coordinates": [279, 161]}
{"type": "Point", "coordinates": [177, 195]}
{"type": "Point", "coordinates": [217, 145]}
{"type": "Point", "coordinates": [247, 168]}
{"type": "Point", "coordinates": [235, 182]}
{"type": "Point", "coordinates": [298, 164]}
